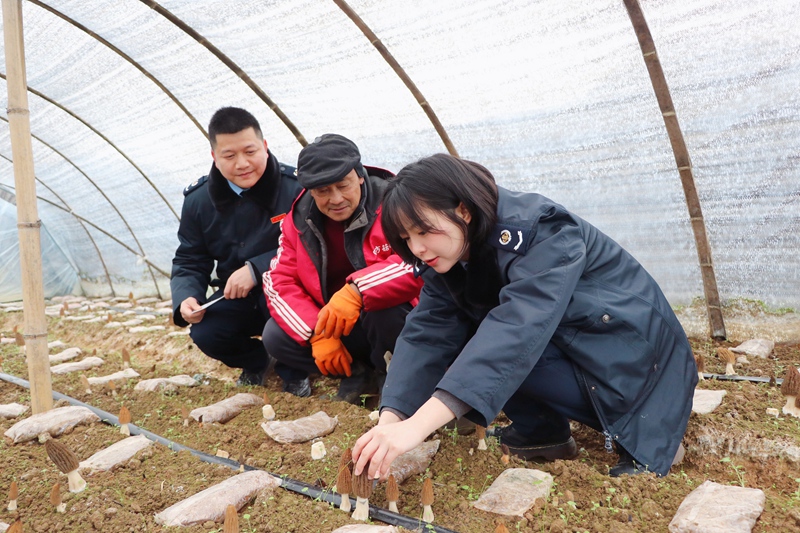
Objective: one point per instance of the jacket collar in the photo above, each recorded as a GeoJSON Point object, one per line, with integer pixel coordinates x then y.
{"type": "Point", "coordinates": [264, 192]}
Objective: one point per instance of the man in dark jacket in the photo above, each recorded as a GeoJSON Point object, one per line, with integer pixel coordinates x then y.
{"type": "Point", "coordinates": [337, 293]}
{"type": "Point", "coordinates": [231, 221]}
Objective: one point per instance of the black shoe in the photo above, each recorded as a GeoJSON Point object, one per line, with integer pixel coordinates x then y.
{"type": "Point", "coordinates": [532, 449]}
{"type": "Point", "coordinates": [252, 377]}
{"type": "Point", "coordinates": [298, 387]}
{"type": "Point", "coordinates": [626, 465]}
{"type": "Point", "coordinates": [352, 388]}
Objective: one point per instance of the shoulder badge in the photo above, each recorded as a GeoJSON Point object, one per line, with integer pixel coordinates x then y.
{"type": "Point", "coordinates": [287, 170]}
{"type": "Point", "coordinates": [510, 237]}
{"type": "Point", "coordinates": [195, 185]}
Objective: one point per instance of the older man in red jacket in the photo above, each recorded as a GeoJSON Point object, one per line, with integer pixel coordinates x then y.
{"type": "Point", "coordinates": [337, 293]}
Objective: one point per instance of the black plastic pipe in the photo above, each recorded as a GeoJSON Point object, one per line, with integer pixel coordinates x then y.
{"type": "Point", "coordinates": [300, 487]}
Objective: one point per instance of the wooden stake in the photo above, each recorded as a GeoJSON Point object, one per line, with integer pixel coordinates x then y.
{"type": "Point", "coordinates": [28, 223]}
{"type": "Point", "coordinates": [684, 164]}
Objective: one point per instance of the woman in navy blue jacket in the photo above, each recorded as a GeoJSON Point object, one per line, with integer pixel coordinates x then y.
{"type": "Point", "coordinates": [529, 309]}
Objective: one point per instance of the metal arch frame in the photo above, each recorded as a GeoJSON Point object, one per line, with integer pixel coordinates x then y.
{"type": "Point", "coordinates": [98, 228]}
{"type": "Point", "coordinates": [100, 190]}
{"type": "Point", "coordinates": [228, 62]}
{"type": "Point", "coordinates": [401, 73]}
{"type": "Point", "coordinates": [106, 139]}
{"type": "Point", "coordinates": [124, 56]}
{"type": "Point", "coordinates": [94, 243]}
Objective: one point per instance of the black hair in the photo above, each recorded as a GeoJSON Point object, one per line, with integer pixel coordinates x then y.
{"type": "Point", "coordinates": [440, 183]}
{"type": "Point", "coordinates": [231, 120]}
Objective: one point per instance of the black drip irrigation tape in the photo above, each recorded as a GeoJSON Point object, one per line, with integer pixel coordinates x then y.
{"type": "Point", "coordinates": [736, 377]}
{"type": "Point", "coordinates": [300, 487]}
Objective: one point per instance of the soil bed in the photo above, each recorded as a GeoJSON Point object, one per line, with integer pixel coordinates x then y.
{"type": "Point", "coordinates": [583, 498]}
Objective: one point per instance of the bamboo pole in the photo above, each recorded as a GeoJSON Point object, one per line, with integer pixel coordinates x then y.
{"type": "Point", "coordinates": [684, 163]}
{"type": "Point", "coordinates": [28, 222]}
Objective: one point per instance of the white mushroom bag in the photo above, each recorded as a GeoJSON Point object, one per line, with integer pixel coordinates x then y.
{"type": "Point", "coordinates": [301, 430]}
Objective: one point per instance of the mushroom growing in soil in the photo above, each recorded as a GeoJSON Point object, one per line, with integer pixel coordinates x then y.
{"type": "Point", "coordinates": [427, 500]}
{"type": "Point", "coordinates": [362, 488]}
{"type": "Point", "coordinates": [16, 527]}
{"type": "Point", "coordinates": [13, 494]}
{"type": "Point", "coordinates": [55, 499]}
{"type": "Point", "coordinates": [344, 486]}
{"type": "Point", "coordinates": [87, 387]}
{"type": "Point", "coordinates": [111, 387]}
{"type": "Point", "coordinates": [701, 366]}
{"type": "Point", "coordinates": [480, 432]}
{"type": "Point", "coordinates": [185, 415]}
{"type": "Point", "coordinates": [791, 389]}
{"type": "Point", "coordinates": [231, 524]}
{"type": "Point", "coordinates": [19, 339]}
{"type": "Point", "coordinates": [124, 420]}
{"type": "Point", "coordinates": [67, 462]}
{"type": "Point", "coordinates": [501, 528]}
{"type": "Point", "coordinates": [126, 358]}
{"type": "Point", "coordinates": [392, 493]}
{"type": "Point", "coordinates": [727, 357]}
{"type": "Point", "coordinates": [506, 453]}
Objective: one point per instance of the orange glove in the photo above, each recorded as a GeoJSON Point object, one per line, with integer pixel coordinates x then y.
{"type": "Point", "coordinates": [341, 313]}
{"type": "Point", "coordinates": [331, 356]}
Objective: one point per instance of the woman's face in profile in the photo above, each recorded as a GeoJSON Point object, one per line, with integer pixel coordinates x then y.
{"type": "Point", "coordinates": [442, 246]}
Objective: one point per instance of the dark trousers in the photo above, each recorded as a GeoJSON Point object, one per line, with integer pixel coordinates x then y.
{"type": "Point", "coordinates": [226, 331]}
{"type": "Point", "coordinates": [550, 397]}
{"type": "Point", "coordinates": [374, 334]}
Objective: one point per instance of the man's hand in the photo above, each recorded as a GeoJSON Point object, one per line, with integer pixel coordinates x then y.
{"type": "Point", "coordinates": [340, 314]}
{"type": "Point", "coordinates": [331, 356]}
{"type": "Point", "coordinates": [187, 307]}
{"type": "Point", "coordinates": [239, 284]}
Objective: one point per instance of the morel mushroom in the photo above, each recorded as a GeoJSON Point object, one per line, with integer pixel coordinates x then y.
{"type": "Point", "coordinates": [55, 499]}
{"type": "Point", "coordinates": [701, 366]}
{"type": "Point", "coordinates": [362, 488]}
{"type": "Point", "coordinates": [16, 527]}
{"type": "Point", "coordinates": [501, 528]}
{"type": "Point", "coordinates": [19, 339]}
{"type": "Point", "coordinates": [87, 387]}
{"type": "Point", "coordinates": [427, 500]}
{"type": "Point", "coordinates": [61, 312]}
{"type": "Point", "coordinates": [67, 462]}
{"type": "Point", "coordinates": [126, 358]}
{"type": "Point", "coordinates": [791, 389]}
{"type": "Point", "coordinates": [506, 453]}
{"type": "Point", "coordinates": [727, 357]}
{"type": "Point", "coordinates": [344, 486]}
{"type": "Point", "coordinates": [231, 524]}
{"type": "Point", "coordinates": [185, 415]}
{"type": "Point", "coordinates": [111, 387]}
{"type": "Point", "coordinates": [480, 432]}
{"type": "Point", "coordinates": [13, 494]}
{"type": "Point", "coordinates": [124, 420]}
{"type": "Point", "coordinates": [392, 494]}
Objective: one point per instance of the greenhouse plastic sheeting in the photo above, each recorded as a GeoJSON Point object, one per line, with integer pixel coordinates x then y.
{"type": "Point", "coordinates": [553, 97]}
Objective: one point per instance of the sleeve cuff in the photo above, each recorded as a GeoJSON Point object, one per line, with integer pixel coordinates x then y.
{"type": "Point", "coordinates": [401, 415]}
{"type": "Point", "coordinates": [458, 407]}
{"type": "Point", "coordinates": [253, 273]}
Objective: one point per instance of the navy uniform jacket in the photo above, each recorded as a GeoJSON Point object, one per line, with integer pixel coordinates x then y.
{"type": "Point", "coordinates": [219, 226]}
{"type": "Point", "coordinates": [477, 333]}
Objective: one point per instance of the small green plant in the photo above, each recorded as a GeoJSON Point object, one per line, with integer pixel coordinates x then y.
{"type": "Point", "coordinates": [738, 469]}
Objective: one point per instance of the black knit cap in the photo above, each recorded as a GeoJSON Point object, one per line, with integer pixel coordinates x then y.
{"type": "Point", "coordinates": [327, 160]}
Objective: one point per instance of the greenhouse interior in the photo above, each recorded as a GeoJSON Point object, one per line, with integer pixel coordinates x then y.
{"type": "Point", "coordinates": [673, 127]}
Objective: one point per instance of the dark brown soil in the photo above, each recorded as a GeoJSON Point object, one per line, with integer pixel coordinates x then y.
{"type": "Point", "coordinates": [583, 498]}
